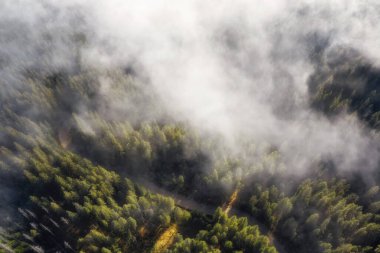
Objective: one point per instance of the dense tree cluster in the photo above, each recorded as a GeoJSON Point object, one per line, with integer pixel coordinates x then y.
{"type": "Point", "coordinates": [320, 216]}
{"type": "Point", "coordinates": [352, 86]}
{"type": "Point", "coordinates": [76, 204]}
{"type": "Point", "coordinates": [226, 234]}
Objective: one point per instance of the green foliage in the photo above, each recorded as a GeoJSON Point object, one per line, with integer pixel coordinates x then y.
{"type": "Point", "coordinates": [319, 213]}
{"type": "Point", "coordinates": [227, 234]}
{"type": "Point", "coordinates": [352, 86]}
{"type": "Point", "coordinates": [90, 208]}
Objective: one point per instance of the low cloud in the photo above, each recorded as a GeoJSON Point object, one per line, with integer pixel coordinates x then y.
{"type": "Point", "coordinates": [235, 68]}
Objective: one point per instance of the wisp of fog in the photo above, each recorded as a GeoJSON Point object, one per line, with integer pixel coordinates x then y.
{"type": "Point", "coordinates": [234, 68]}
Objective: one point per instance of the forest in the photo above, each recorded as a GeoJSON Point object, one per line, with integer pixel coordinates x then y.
{"type": "Point", "coordinates": [74, 189]}
{"type": "Point", "coordinates": [94, 158]}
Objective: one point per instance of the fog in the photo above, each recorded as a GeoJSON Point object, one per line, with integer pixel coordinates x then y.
{"type": "Point", "coordinates": [238, 69]}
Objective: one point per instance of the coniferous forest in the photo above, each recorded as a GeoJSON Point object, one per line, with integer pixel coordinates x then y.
{"type": "Point", "coordinates": [189, 127]}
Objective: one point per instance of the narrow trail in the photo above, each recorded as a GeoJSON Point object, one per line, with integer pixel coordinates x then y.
{"type": "Point", "coordinates": [231, 201]}
{"type": "Point", "coordinates": [165, 240]}
{"type": "Point", "coordinates": [64, 138]}
{"type": "Point", "coordinates": [142, 231]}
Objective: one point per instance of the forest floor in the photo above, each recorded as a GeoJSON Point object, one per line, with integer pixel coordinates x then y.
{"type": "Point", "coordinates": [231, 201]}
{"type": "Point", "coordinates": [166, 239]}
